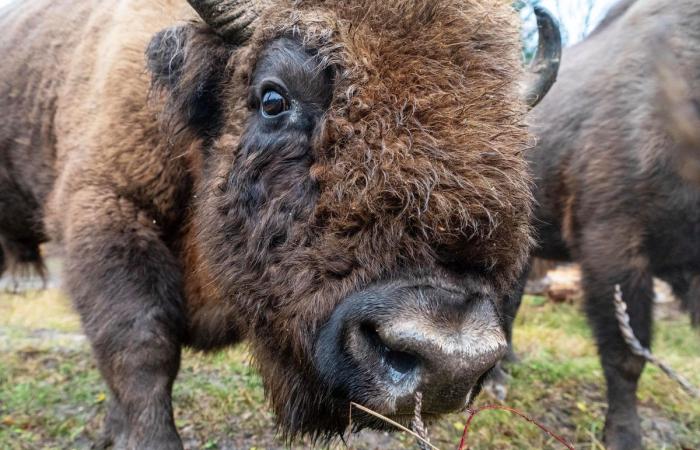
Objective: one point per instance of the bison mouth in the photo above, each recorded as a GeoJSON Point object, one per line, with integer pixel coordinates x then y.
{"type": "Point", "coordinates": [391, 340]}
{"type": "Point", "coordinates": [361, 419]}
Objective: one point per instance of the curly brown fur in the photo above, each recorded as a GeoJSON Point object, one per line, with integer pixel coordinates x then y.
{"type": "Point", "coordinates": [397, 177]}
{"type": "Point", "coordinates": [184, 224]}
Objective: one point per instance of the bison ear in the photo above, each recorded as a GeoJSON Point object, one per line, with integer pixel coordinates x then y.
{"type": "Point", "coordinates": [188, 65]}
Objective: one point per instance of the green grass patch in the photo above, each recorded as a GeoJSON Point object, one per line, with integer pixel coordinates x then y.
{"type": "Point", "coordinates": [51, 395]}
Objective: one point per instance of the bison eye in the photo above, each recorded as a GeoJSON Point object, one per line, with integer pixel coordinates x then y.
{"type": "Point", "coordinates": [273, 103]}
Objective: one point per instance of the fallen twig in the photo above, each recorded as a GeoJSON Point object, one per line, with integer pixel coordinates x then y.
{"type": "Point", "coordinates": [389, 421]}
{"type": "Point", "coordinates": [623, 319]}
{"type": "Point", "coordinates": [423, 442]}
{"type": "Point", "coordinates": [473, 412]}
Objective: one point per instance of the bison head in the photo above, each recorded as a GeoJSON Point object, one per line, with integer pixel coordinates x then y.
{"type": "Point", "coordinates": [362, 201]}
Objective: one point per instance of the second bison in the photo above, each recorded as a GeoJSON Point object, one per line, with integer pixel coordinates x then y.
{"type": "Point", "coordinates": [610, 186]}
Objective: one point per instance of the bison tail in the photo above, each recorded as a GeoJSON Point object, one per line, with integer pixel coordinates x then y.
{"type": "Point", "coordinates": [20, 260]}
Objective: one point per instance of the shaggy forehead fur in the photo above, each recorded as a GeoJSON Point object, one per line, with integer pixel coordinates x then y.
{"type": "Point", "coordinates": [425, 129]}
{"type": "Point", "coordinates": [418, 155]}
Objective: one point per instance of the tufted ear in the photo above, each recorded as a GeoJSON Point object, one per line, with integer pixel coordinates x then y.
{"type": "Point", "coordinates": [188, 64]}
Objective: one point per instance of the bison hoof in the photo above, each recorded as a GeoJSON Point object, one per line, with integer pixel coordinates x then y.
{"type": "Point", "coordinates": [625, 436]}
{"type": "Point", "coordinates": [108, 442]}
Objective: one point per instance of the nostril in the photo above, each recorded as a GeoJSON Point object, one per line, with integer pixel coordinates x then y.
{"type": "Point", "coordinates": [399, 363]}
{"type": "Point", "coordinates": [402, 362]}
{"type": "Point", "coordinates": [369, 331]}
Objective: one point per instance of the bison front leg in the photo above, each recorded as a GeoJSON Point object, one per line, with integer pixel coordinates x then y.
{"type": "Point", "coordinates": [126, 285]}
{"type": "Point", "coordinates": [115, 430]}
{"type": "Point", "coordinates": [497, 381]}
{"type": "Point", "coordinates": [2, 261]}
{"type": "Point", "coordinates": [691, 299]}
{"type": "Point", "coordinates": [605, 265]}
{"type": "Point", "coordinates": [511, 305]}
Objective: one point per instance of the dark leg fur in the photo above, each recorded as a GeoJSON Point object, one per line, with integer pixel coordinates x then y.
{"type": "Point", "coordinates": [126, 285]}
{"type": "Point", "coordinates": [3, 265]}
{"type": "Point", "coordinates": [690, 297]}
{"type": "Point", "coordinates": [115, 430]}
{"type": "Point", "coordinates": [692, 301]}
{"type": "Point", "coordinates": [686, 287]}
{"type": "Point", "coordinates": [21, 230]}
{"type": "Point", "coordinates": [21, 258]}
{"type": "Point", "coordinates": [497, 381]}
{"type": "Point", "coordinates": [603, 267]}
{"type": "Point", "coordinates": [511, 306]}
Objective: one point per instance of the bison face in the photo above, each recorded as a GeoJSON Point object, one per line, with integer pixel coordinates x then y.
{"type": "Point", "coordinates": [361, 199]}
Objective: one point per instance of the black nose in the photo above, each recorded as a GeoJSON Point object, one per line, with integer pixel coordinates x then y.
{"type": "Point", "coordinates": [396, 339]}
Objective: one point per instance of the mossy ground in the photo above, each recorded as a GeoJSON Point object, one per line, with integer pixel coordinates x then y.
{"type": "Point", "coordinates": [51, 395]}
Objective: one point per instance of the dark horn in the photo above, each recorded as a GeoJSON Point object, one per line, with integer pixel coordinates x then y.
{"type": "Point", "coordinates": [231, 19]}
{"type": "Point", "coordinates": [545, 66]}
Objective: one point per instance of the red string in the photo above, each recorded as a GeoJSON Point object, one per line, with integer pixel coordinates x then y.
{"type": "Point", "coordinates": [474, 412]}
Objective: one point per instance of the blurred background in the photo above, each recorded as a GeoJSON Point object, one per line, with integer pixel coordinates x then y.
{"type": "Point", "coordinates": [51, 395]}
{"type": "Point", "coordinates": [578, 17]}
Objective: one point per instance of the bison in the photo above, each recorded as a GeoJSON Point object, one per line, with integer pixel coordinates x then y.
{"type": "Point", "coordinates": [340, 183]}
{"type": "Point", "coordinates": [680, 112]}
{"type": "Point", "coordinates": [609, 189]}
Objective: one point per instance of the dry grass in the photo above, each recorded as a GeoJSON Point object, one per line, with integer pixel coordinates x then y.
{"type": "Point", "coordinates": [51, 396]}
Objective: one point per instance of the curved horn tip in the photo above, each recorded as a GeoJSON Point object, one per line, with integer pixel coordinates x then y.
{"type": "Point", "coordinates": [231, 19]}
{"type": "Point", "coordinates": [545, 65]}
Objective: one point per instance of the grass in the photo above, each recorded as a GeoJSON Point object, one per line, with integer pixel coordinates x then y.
{"type": "Point", "coordinates": [51, 396]}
